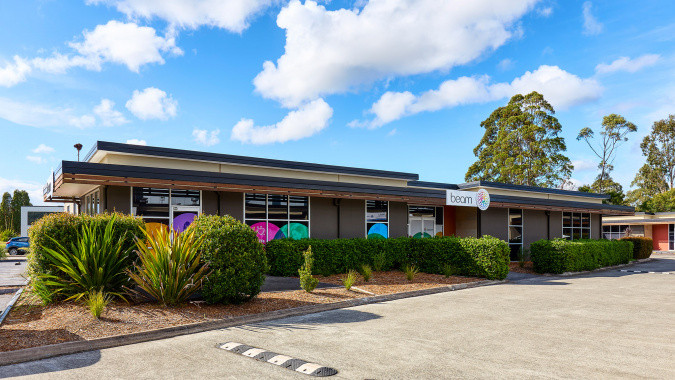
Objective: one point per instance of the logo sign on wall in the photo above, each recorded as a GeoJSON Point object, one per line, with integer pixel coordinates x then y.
{"type": "Point", "coordinates": [480, 198]}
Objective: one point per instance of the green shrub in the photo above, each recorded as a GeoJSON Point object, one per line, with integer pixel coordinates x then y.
{"type": "Point", "coordinates": [96, 302]}
{"type": "Point", "coordinates": [5, 235]}
{"type": "Point", "coordinates": [450, 270]}
{"type": "Point", "coordinates": [64, 228]}
{"type": "Point", "coordinates": [642, 246]}
{"type": "Point", "coordinates": [410, 272]}
{"type": "Point", "coordinates": [170, 269]}
{"type": "Point", "coordinates": [95, 261]}
{"type": "Point", "coordinates": [366, 272]}
{"type": "Point", "coordinates": [485, 257]}
{"type": "Point", "coordinates": [379, 261]}
{"type": "Point", "coordinates": [307, 282]}
{"type": "Point", "coordinates": [349, 280]}
{"type": "Point", "coordinates": [560, 256]}
{"type": "Point", "coordinates": [236, 257]}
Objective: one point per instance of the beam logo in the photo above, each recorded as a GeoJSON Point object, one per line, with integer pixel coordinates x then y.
{"type": "Point", "coordinates": [482, 199]}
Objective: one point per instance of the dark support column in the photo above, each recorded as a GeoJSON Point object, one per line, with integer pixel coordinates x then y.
{"type": "Point", "coordinates": [218, 198]}
{"type": "Point", "coordinates": [478, 222]}
{"type": "Point", "coordinates": [548, 224]}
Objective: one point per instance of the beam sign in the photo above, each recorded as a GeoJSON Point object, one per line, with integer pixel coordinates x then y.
{"type": "Point", "coordinates": [480, 198]}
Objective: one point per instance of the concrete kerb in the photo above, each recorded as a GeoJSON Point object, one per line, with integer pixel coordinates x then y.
{"type": "Point", "coordinates": [44, 352]}
{"type": "Point", "coordinates": [10, 305]}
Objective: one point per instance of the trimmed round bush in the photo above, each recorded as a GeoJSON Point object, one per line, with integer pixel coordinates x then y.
{"type": "Point", "coordinates": [236, 257]}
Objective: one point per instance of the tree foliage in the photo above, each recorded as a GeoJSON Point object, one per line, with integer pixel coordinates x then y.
{"type": "Point", "coordinates": [10, 209]}
{"type": "Point", "coordinates": [615, 129]}
{"type": "Point", "coordinates": [657, 175]}
{"type": "Point", "coordinates": [521, 145]}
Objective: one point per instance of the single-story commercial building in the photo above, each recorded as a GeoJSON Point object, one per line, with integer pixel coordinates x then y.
{"type": "Point", "coordinates": [295, 199]}
{"type": "Point", "coordinates": [30, 214]}
{"type": "Point", "coordinates": [660, 227]}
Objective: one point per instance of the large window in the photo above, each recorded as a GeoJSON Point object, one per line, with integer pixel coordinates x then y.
{"type": "Point", "coordinates": [576, 225]}
{"type": "Point", "coordinates": [425, 221]}
{"type": "Point", "coordinates": [515, 232]}
{"type": "Point", "coordinates": [161, 208]}
{"type": "Point", "coordinates": [92, 203]}
{"type": "Point", "coordinates": [377, 219]}
{"type": "Point", "coordinates": [275, 216]}
{"type": "Point", "coordinates": [615, 232]}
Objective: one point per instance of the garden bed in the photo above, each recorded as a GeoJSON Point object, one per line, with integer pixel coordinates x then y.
{"type": "Point", "coordinates": [526, 268]}
{"type": "Point", "coordinates": [32, 325]}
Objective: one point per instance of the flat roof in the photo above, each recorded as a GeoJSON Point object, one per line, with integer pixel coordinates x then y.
{"type": "Point", "coordinates": [243, 160]}
{"type": "Point", "coordinates": [508, 186]}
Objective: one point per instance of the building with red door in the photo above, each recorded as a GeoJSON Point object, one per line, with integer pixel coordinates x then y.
{"type": "Point", "coordinates": [659, 226]}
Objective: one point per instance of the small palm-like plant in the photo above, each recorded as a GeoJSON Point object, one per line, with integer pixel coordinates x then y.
{"type": "Point", "coordinates": [95, 262]}
{"type": "Point", "coordinates": [350, 279]}
{"type": "Point", "coordinates": [410, 272]}
{"type": "Point", "coordinates": [170, 269]}
{"type": "Point", "coordinates": [97, 301]}
{"type": "Point", "coordinates": [366, 272]}
{"type": "Point", "coordinates": [307, 281]}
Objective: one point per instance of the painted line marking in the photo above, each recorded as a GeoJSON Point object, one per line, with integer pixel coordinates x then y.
{"type": "Point", "coordinates": [643, 271]}
{"type": "Point", "coordinates": [298, 365]}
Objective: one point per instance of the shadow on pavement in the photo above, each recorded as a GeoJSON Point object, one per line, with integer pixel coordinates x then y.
{"type": "Point", "coordinates": [307, 322]}
{"type": "Point", "coordinates": [44, 366]}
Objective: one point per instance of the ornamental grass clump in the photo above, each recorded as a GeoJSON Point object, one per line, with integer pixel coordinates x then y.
{"type": "Point", "coordinates": [380, 261]}
{"type": "Point", "coordinates": [350, 279]}
{"type": "Point", "coordinates": [170, 268]}
{"type": "Point", "coordinates": [94, 262]}
{"type": "Point", "coordinates": [366, 272]}
{"type": "Point", "coordinates": [450, 270]}
{"type": "Point", "coordinates": [96, 302]}
{"type": "Point", "coordinates": [410, 272]}
{"type": "Point", "coordinates": [307, 282]}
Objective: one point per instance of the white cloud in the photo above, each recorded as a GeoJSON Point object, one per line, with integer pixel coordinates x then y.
{"type": "Point", "coordinates": [584, 165]}
{"type": "Point", "coordinates": [137, 142]}
{"type": "Point", "coordinates": [37, 115]}
{"type": "Point", "coordinates": [42, 148]}
{"type": "Point", "coordinates": [36, 159]}
{"type": "Point", "coordinates": [34, 189]}
{"type": "Point", "coordinates": [591, 25]}
{"type": "Point", "coordinates": [505, 64]}
{"type": "Point", "coordinates": [108, 115]}
{"type": "Point", "coordinates": [559, 87]}
{"type": "Point", "coordinates": [336, 51]}
{"type": "Point", "coordinates": [125, 43]}
{"type": "Point", "coordinates": [232, 15]}
{"type": "Point", "coordinates": [307, 120]}
{"type": "Point", "coordinates": [14, 73]}
{"type": "Point", "coordinates": [545, 12]}
{"type": "Point", "coordinates": [116, 42]}
{"type": "Point", "coordinates": [627, 64]}
{"type": "Point", "coordinates": [204, 137]}
{"type": "Point", "coordinates": [571, 184]}
{"type": "Point", "coordinates": [152, 103]}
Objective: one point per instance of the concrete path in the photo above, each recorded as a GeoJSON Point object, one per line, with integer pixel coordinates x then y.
{"type": "Point", "coordinates": [12, 271]}
{"type": "Point", "coordinates": [608, 324]}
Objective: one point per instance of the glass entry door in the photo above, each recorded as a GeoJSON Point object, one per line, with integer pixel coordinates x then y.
{"type": "Point", "coordinates": [183, 216]}
{"type": "Point", "coordinates": [422, 226]}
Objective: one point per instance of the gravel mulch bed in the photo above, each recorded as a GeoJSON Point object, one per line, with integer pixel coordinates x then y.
{"type": "Point", "coordinates": [31, 325]}
{"type": "Point", "coordinates": [390, 282]}
{"type": "Point", "coordinates": [527, 268]}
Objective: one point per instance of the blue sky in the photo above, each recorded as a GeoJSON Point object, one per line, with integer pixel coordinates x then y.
{"type": "Point", "coordinates": [398, 85]}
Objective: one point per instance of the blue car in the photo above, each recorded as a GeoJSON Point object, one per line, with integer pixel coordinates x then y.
{"type": "Point", "coordinates": [16, 245]}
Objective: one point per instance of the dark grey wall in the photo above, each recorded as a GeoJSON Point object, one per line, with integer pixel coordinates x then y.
{"type": "Point", "coordinates": [534, 226]}
{"type": "Point", "coordinates": [352, 218]}
{"type": "Point", "coordinates": [232, 204]}
{"type": "Point", "coordinates": [210, 202]}
{"type": "Point", "coordinates": [596, 226]}
{"type": "Point", "coordinates": [323, 216]}
{"type": "Point", "coordinates": [466, 222]}
{"type": "Point", "coordinates": [556, 224]}
{"type": "Point", "coordinates": [398, 219]}
{"type": "Point", "coordinates": [494, 222]}
{"type": "Point", "coordinates": [118, 199]}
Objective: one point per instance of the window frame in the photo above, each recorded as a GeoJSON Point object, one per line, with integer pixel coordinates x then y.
{"type": "Point", "coordinates": [436, 215]}
{"type": "Point", "coordinates": [365, 216]}
{"type": "Point", "coordinates": [521, 225]}
{"type": "Point", "coordinates": [288, 219]}
{"type": "Point", "coordinates": [574, 228]}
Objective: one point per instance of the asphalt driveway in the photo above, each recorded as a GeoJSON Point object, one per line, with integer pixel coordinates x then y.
{"type": "Point", "coordinates": [608, 324]}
